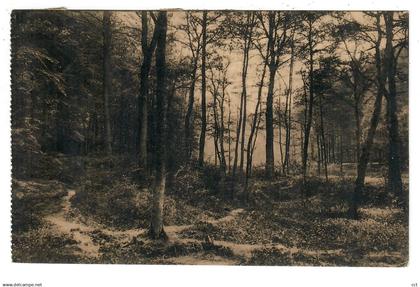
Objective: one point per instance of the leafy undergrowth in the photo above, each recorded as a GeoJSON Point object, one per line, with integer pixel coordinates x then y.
{"type": "Point", "coordinates": [273, 256]}
{"type": "Point", "coordinates": [139, 251]}
{"type": "Point", "coordinates": [319, 224]}
{"type": "Point", "coordinates": [33, 199]}
{"type": "Point", "coordinates": [43, 246]}
{"type": "Point", "coordinates": [124, 205]}
{"type": "Point", "coordinates": [276, 227]}
{"type": "Point", "coordinates": [122, 202]}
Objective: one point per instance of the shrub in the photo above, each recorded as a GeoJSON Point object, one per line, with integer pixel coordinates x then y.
{"type": "Point", "coordinates": [121, 205]}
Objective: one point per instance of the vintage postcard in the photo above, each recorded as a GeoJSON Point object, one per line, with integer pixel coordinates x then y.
{"type": "Point", "coordinates": [210, 137]}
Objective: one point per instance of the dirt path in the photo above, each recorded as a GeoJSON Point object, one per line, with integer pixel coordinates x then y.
{"type": "Point", "coordinates": [64, 224]}
{"type": "Point", "coordinates": [173, 230]}
{"type": "Point", "coordinates": [80, 231]}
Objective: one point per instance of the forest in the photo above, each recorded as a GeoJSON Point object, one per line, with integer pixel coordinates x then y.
{"type": "Point", "coordinates": [210, 137]}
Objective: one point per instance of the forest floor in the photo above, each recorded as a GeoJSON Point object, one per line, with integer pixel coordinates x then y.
{"type": "Point", "coordinates": [102, 222]}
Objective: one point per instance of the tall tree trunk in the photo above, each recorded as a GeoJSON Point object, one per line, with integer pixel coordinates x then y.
{"type": "Point", "coordinates": [203, 92]}
{"type": "Point", "coordinates": [308, 125]}
{"type": "Point", "coordinates": [357, 118]}
{"type": "Point", "coordinates": [332, 146]}
{"type": "Point", "coordinates": [302, 128]}
{"type": "Point", "coordinates": [394, 162]}
{"type": "Point", "coordinates": [143, 100]}
{"type": "Point", "coordinates": [238, 134]}
{"type": "Point", "coordinates": [255, 138]}
{"type": "Point", "coordinates": [324, 149]}
{"type": "Point", "coordinates": [288, 111]}
{"type": "Point", "coordinates": [253, 133]}
{"type": "Point", "coordinates": [107, 78]}
{"type": "Point", "coordinates": [280, 134]}
{"type": "Point", "coordinates": [319, 153]}
{"type": "Point", "coordinates": [269, 130]}
{"type": "Point", "coordinates": [222, 129]}
{"type": "Point", "coordinates": [341, 151]}
{"type": "Point", "coordinates": [216, 130]}
{"type": "Point", "coordinates": [229, 136]}
{"type": "Point", "coordinates": [219, 138]}
{"type": "Point", "coordinates": [159, 186]}
{"type": "Point", "coordinates": [365, 152]}
{"type": "Point", "coordinates": [189, 116]}
{"type": "Point", "coordinates": [303, 124]}
{"type": "Point", "coordinates": [247, 44]}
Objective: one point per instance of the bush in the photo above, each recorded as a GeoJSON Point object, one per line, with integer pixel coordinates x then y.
{"type": "Point", "coordinates": [212, 176]}
{"type": "Point", "coordinates": [193, 178]}
{"type": "Point", "coordinates": [121, 205]}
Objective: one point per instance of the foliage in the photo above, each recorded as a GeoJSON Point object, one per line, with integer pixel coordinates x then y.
{"type": "Point", "coordinates": [65, 113]}
{"type": "Point", "coordinates": [40, 246]}
{"type": "Point", "coordinates": [32, 200]}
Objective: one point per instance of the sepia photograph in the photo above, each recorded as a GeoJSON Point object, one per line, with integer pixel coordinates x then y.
{"type": "Point", "coordinates": [210, 137]}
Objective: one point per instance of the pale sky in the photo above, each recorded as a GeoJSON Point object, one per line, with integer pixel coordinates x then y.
{"type": "Point", "coordinates": [234, 75]}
